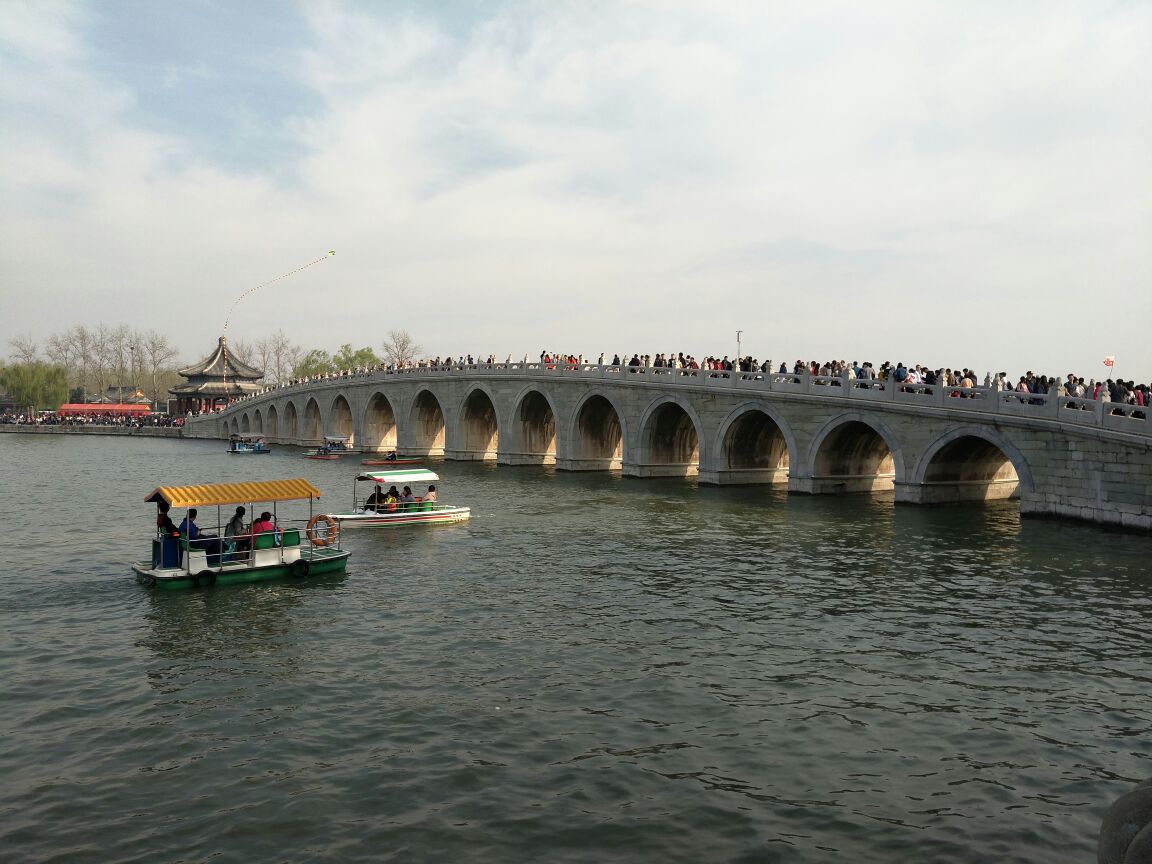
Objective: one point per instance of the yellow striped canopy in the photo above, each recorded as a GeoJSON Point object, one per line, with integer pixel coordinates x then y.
{"type": "Point", "coordinates": [234, 493]}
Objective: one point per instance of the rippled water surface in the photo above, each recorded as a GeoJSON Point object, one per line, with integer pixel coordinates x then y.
{"type": "Point", "coordinates": [590, 670]}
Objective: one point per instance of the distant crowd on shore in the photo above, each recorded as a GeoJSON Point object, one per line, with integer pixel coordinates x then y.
{"type": "Point", "coordinates": [51, 418]}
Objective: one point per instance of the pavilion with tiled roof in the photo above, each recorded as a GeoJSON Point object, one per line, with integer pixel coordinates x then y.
{"type": "Point", "coordinates": [216, 381]}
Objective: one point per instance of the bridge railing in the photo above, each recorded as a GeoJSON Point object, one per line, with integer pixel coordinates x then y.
{"type": "Point", "coordinates": [1064, 409]}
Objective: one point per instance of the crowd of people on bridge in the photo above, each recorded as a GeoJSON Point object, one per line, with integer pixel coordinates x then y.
{"type": "Point", "coordinates": [963, 381]}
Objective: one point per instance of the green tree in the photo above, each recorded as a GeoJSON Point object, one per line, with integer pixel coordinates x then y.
{"type": "Point", "coordinates": [346, 358]}
{"type": "Point", "coordinates": [36, 384]}
{"type": "Point", "coordinates": [315, 362]}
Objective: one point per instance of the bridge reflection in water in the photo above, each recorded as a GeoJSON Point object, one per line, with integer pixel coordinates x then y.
{"type": "Point", "coordinates": [1060, 456]}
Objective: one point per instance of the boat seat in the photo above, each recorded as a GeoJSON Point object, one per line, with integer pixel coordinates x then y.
{"type": "Point", "coordinates": [267, 540]}
{"type": "Point", "coordinates": [291, 537]}
{"type": "Point", "coordinates": [197, 558]}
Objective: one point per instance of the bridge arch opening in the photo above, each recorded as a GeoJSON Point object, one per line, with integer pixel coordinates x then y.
{"type": "Point", "coordinates": [479, 428]}
{"type": "Point", "coordinates": [670, 443]}
{"type": "Point", "coordinates": [225, 428]}
{"type": "Point", "coordinates": [313, 426]}
{"type": "Point", "coordinates": [235, 427]}
{"type": "Point", "coordinates": [291, 423]}
{"type": "Point", "coordinates": [598, 441]}
{"type": "Point", "coordinates": [428, 424]}
{"type": "Point", "coordinates": [536, 425]}
{"type": "Point", "coordinates": [756, 449]}
{"type": "Point", "coordinates": [258, 422]}
{"type": "Point", "coordinates": [245, 424]}
{"type": "Point", "coordinates": [854, 457]}
{"type": "Point", "coordinates": [379, 424]}
{"type": "Point", "coordinates": [969, 468]}
{"type": "Point", "coordinates": [340, 420]}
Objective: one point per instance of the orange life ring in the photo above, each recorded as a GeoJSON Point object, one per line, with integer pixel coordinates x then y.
{"type": "Point", "coordinates": [330, 534]}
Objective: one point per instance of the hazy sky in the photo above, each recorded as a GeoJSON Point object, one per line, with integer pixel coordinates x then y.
{"type": "Point", "coordinates": [953, 183]}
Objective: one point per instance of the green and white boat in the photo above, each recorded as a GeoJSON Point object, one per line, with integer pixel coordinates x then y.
{"type": "Point", "coordinates": [246, 557]}
{"type": "Point", "coordinates": [384, 513]}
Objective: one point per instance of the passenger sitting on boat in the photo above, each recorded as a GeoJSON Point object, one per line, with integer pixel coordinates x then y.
{"type": "Point", "coordinates": [264, 524]}
{"type": "Point", "coordinates": [430, 495]}
{"type": "Point", "coordinates": [164, 524]}
{"type": "Point", "coordinates": [375, 501]}
{"type": "Point", "coordinates": [390, 456]}
{"type": "Point", "coordinates": [407, 499]}
{"type": "Point", "coordinates": [391, 498]}
{"type": "Point", "coordinates": [197, 539]}
{"type": "Point", "coordinates": [235, 535]}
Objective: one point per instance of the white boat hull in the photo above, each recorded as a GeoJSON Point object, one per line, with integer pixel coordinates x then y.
{"type": "Point", "coordinates": [372, 519]}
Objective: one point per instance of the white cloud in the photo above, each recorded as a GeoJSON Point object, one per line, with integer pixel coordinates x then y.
{"type": "Point", "coordinates": [950, 183]}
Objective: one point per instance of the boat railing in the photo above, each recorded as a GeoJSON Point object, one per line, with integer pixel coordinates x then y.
{"type": "Point", "coordinates": [285, 545]}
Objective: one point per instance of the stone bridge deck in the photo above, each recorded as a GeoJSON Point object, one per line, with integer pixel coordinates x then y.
{"type": "Point", "coordinates": [1060, 456]}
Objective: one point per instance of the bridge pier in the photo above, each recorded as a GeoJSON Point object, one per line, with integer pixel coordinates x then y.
{"type": "Point", "coordinates": [744, 476]}
{"type": "Point", "coordinates": [505, 458]}
{"type": "Point", "coordinates": [841, 484]}
{"type": "Point", "coordinates": [955, 492]}
{"type": "Point", "coordinates": [660, 469]}
{"type": "Point", "coordinates": [589, 464]}
{"type": "Point", "coordinates": [457, 455]}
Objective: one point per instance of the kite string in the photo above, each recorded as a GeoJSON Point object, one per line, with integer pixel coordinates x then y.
{"type": "Point", "coordinates": [270, 282]}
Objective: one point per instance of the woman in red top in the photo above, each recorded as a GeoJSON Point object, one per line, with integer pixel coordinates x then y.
{"type": "Point", "coordinates": [264, 524]}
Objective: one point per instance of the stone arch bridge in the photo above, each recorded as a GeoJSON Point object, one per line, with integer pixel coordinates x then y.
{"type": "Point", "coordinates": [819, 435]}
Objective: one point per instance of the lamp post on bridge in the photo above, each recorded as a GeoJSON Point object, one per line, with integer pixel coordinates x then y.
{"type": "Point", "coordinates": [739, 354]}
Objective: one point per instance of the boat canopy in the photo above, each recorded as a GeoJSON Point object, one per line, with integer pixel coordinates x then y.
{"type": "Point", "coordinates": [339, 439]}
{"type": "Point", "coordinates": [413, 475]}
{"type": "Point", "coordinates": [234, 493]}
{"type": "Point", "coordinates": [247, 437]}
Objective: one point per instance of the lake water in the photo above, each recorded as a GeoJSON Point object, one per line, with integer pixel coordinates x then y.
{"type": "Point", "coordinates": [590, 670]}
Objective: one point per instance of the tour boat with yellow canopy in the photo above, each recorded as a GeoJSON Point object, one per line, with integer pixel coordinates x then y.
{"type": "Point", "coordinates": [248, 549]}
{"type": "Point", "coordinates": [382, 507]}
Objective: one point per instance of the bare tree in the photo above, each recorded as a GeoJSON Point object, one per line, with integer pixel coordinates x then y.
{"type": "Point", "coordinates": [119, 349]}
{"type": "Point", "coordinates": [241, 350]}
{"type": "Point", "coordinates": [24, 349]}
{"type": "Point", "coordinates": [103, 358]}
{"type": "Point", "coordinates": [158, 353]}
{"type": "Point", "coordinates": [60, 349]}
{"type": "Point", "coordinates": [262, 355]}
{"type": "Point", "coordinates": [399, 348]}
{"type": "Point", "coordinates": [284, 355]}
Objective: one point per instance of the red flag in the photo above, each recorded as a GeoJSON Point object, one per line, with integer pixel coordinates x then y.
{"type": "Point", "coordinates": [1109, 361]}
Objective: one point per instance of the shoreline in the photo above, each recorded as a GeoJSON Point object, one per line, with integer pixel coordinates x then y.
{"type": "Point", "coordinates": [145, 431]}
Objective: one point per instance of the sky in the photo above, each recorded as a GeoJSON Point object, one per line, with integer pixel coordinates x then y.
{"type": "Point", "coordinates": [950, 183]}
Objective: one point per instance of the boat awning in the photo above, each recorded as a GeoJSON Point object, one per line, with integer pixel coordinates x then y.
{"type": "Point", "coordinates": [399, 476]}
{"type": "Point", "coordinates": [234, 493]}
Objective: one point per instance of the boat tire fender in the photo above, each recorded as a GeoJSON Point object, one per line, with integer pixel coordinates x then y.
{"type": "Point", "coordinates": [300, 569]}
{"type": "Point", "coordinates": [204, 579]}
{"type": "Point", "coordinates": [329, 536]}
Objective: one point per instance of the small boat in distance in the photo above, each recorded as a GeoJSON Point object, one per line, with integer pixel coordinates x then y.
{"type": "Point", "coordinates": [247, 444]}
{"type": "Point", "coordinates": [391, 459]}
{"type": "Point", "coordinates": [382, 508]}
{"type": "Point", "coordinates": [267, 549]}
{"type": "Point", "coordinates": [334, 447]}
